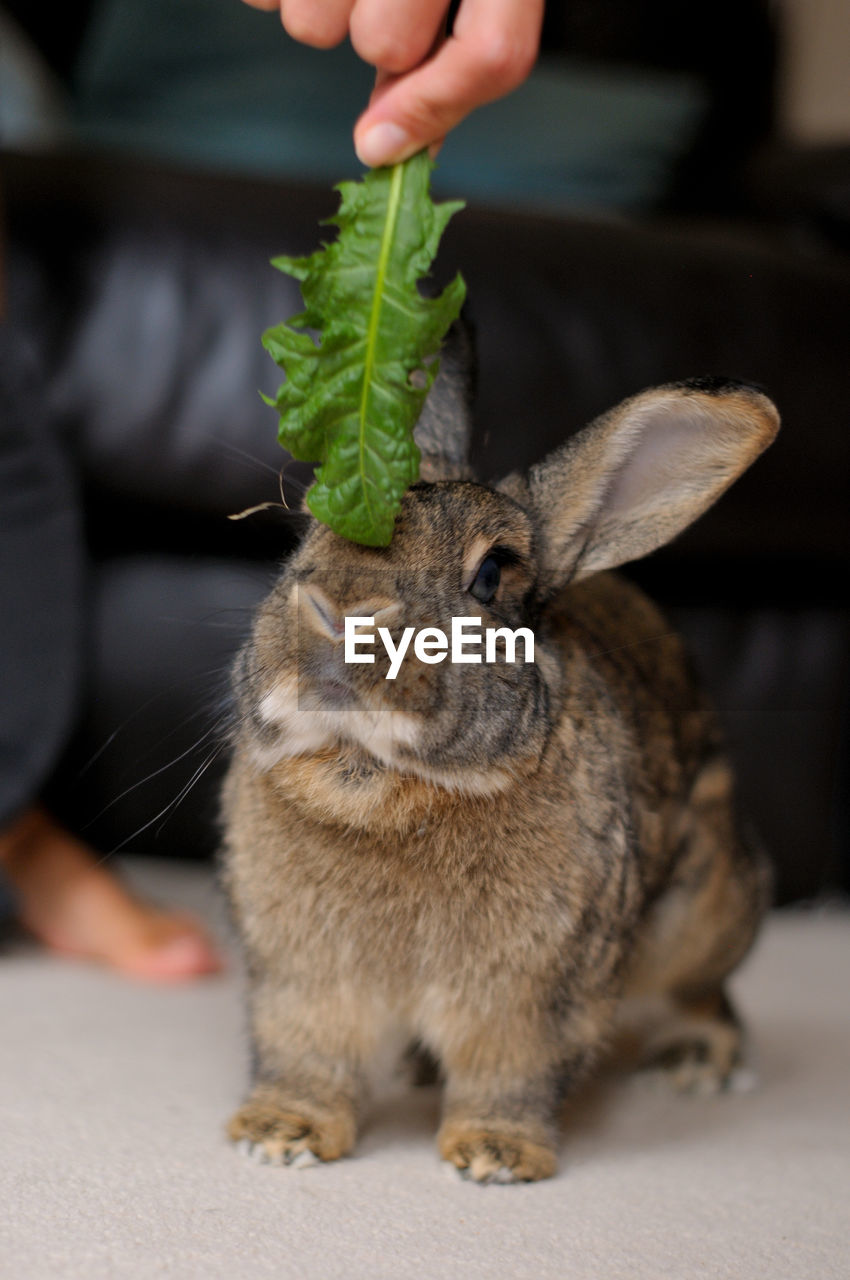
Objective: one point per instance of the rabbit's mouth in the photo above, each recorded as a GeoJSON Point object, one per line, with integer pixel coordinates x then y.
{"type": "Point", "coordinates": [307, 716]}
{"type": "Point", "coordinates": [322, 716]}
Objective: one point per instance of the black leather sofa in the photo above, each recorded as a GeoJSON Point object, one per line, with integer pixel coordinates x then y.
{"type": "Point", "coordinates": [140, 291]}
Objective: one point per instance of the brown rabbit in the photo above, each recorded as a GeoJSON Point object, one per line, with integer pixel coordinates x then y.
{"type": "Point", "coordinates": [491, 857]}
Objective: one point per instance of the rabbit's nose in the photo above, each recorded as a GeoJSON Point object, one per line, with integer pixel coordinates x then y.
{"type": "Point", "coordinates": [327, 617]}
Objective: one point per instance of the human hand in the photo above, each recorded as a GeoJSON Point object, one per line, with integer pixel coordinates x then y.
{"type": "Point", "coordinates": [425, 85]}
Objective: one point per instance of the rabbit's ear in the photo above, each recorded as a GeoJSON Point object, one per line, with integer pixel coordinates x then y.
{"type": "Point", "coordinates": [640, 474]}
{"type": "Point", "coordinates": [445, 425]}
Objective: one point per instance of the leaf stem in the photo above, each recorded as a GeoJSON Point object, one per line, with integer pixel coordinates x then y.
{"type": "Point", "coordinates": [393, 205]}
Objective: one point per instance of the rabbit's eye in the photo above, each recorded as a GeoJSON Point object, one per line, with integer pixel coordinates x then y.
{"type": "Point", "coordinates": [485, 584]}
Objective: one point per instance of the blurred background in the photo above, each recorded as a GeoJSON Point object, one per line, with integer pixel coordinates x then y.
{"type": "Point", "coordinates": [667, 196]}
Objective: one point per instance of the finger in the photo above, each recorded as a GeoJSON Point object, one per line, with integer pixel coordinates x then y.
{"type": "Point", "coordinates": [382, 82]}
{"type": "Point", "coordinates": [491, 50]}
{"type": "Point", "coordinates": [396, 37]}
{"type": "Point", "coordinates": [320, 23]}
{"type": "Point", "coordinates": [263, 4]}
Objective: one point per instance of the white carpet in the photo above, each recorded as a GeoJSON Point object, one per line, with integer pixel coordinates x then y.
{"type": "Point", "coordinates": [113, 1162]}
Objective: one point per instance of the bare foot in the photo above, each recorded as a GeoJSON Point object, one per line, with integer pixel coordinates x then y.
{"type": "Point", "coordinates": [74, 905]}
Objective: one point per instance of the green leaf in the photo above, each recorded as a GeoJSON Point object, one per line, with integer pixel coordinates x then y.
{"type": "Point", "coordinates": [348, 402]}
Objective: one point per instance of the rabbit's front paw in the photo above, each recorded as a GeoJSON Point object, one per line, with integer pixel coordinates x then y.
{"type": "Point", "coordinates": [486, 1155]}
{"type": "Point", "coordinates": [282, 1133]}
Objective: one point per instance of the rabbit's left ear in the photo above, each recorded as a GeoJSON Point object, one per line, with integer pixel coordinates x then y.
{"type": "Point", "coordinates": [444, 428]}
{"type": "Point", "coordinates": [640, 474]}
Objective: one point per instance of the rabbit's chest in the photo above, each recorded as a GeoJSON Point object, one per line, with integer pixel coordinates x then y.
{"type": "Point", "coordinates": [430, 893]}
{"type": "Point", "coordinates": [432, 908]}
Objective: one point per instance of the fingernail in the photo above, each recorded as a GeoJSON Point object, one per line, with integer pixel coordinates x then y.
{"type": "Point", "coordinates": [384, 143]}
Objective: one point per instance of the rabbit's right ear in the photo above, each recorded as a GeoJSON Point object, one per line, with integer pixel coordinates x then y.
{"type": "Point", "coordinates": [640, 474]}
{"type": "Point", "coordinates": [444, 428]}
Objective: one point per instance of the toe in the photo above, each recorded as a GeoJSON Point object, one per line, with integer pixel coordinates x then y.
{"type": "Point", "coordinates": [186, 955]}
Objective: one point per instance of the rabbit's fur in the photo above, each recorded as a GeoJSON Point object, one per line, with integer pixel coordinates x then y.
{"type": "Point", "coordinates": [492, 857]}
